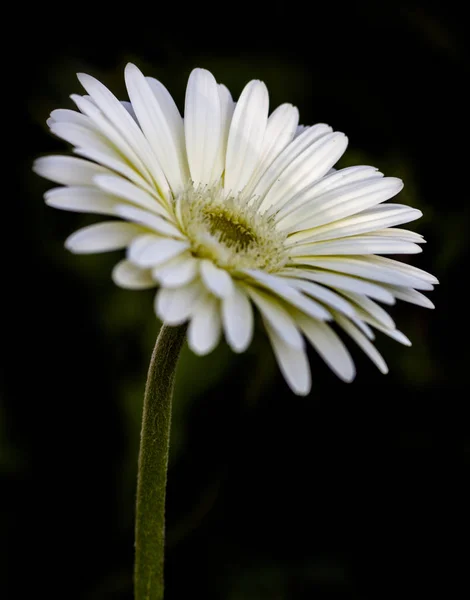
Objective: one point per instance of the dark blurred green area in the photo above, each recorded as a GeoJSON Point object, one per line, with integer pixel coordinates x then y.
{"type": "Point", "coordinates": [357, 491]}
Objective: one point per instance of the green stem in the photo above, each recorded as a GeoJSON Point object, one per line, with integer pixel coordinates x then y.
{"type": "Point", "coordinates": [153, 464]}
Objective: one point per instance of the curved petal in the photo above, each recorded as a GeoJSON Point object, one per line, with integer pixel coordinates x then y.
{"type": "Point", "coordinates": [309, 166]}
{"type": "Point", "coordinates": [363, 343]}
{"type": "Point", "coordinates": [237, 319]}
{"type": "Point", "coordinates": [280, 130]}
{"type": "Point", "coordinates": [340, 203]}
{"type": "Point", "coordinates": [157, 128]}
{"type": "Point", "coordinates": [202, 125]}
{"type": "Point", "coordinates": [329, 346]}
{"type": "Point", "coordinates": [245, 139]}
{"type": "Point", "coordinates": [370, 311]}
{"type": "Point", "coordinates": [292, 362]}
{"type": "Point", "coordinates": [340, 282]}
{"type": "Point", "coordinates": [146, 166]}
{"type": "Point", "coordinates": [331, 181]}
{"type": "Point", "coordinates": [284, 290]}
{"type": "Point", "coordinates": [410, 295]}
{"type": "Point", "coordinates": [324, 295]}
{"type": "Point", "coordinates": [68, 170]}
{"type": "Point", "coordinates": [132, 193]}
{"type": "Point", "coordinates": [368, 268]}
{"type": "Point", "coordinates": [128, 276]}
{"type": "Point", "coordinates": [360, 244]}
{"type": "Point", "coordinates": [178, 271]}
{"type": "Point", "coordinates": [65, 115]}
{"type": "Point", "coordinates": [150, 220]}
{"type": "Point", "coordinates": [82, 199]}
{"type": "Point", "coordinates": [174, 306]}
{"type": "Point", "coordinates": [227, 106]}
{"type": "Point", "coordinates": [217, 280]}
{"type": "Point", "coordinates": [122, 121]}
{"type": "Point", "coordinates": [92, 145]}
{"type": "Point", "coordinates": [205, 327]}
{"type": "Point", "coordinates": [277, 316]}
{"type": "Point", "coordinates": [287, 156]}
{"type": "Point", "coordinates": [102, 237]}
{"type": "Point", "coordinates": [369, 220]}
{"type": "Point", "coordinates": [150, 250]}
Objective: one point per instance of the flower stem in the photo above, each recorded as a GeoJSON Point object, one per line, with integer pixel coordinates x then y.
{"type": "Point", "coordinates": [153, 464]}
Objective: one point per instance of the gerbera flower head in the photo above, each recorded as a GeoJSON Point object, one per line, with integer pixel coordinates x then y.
{"type": "Point", "coordinates": [233, 208]}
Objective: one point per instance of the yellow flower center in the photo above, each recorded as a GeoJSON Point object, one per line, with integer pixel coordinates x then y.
{"type": "Point", "coordinates": [230, 230]}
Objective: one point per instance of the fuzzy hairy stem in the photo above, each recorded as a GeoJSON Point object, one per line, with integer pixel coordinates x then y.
{"type": "Point", "coordinates": [153, 465]}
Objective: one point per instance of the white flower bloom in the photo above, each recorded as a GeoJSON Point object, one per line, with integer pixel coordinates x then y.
{"type": "Point", "coordinates": [233, 208]}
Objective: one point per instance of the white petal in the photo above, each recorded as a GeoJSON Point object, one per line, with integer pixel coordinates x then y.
{"type": "Point", "coordinates": [128, 106]}
{"type": "Point", "coordinates": [300, 129]}
{"type": "Point", "coordinates": [361, 244]}
{"type": "Point", "coordinates": [282, 288]}
{"type": "Point", "coordinates": [402, 235]}
{"type": "Point", "coordinates": [335, 179]}
{"type": "Point", "coordinates": [280, 131]}
{"type": "Point", "coordinates": [292, 362]}
{"type": "Point", "coordinates": [128, 276]}
{"type": "Point", "coordinates": [205, 327]}
{"type": "Point", "coordinates": [65, 115]}
{"type": "Point", "coordinates": [329, 347]}
{"type": "Point", "coordinates": [332, 181]}
{"type": "Point", "coordinates": [150, 220]}
{"type": "Point", "coordinates": [174, 306]}
{"type": "Point", "coordinates": [67, 170]}
{"type": "Point", "coordinates": [277, 316]}
{"type": "Point", "coordinates": [390, 263]}
{"type": "Point", "coordinates": [245, 140]}
{"type": "Point", "coordinates": [324, 295]}
{"type": "Point", "coordinates": [84, 137]}
{"type": "Point", "coordinates": [169, 108]}
{"type": "Point", "coordinates": [368, 268]}
{"type": "Point", "coordinates": [178, 271]}
{"type": "Point", "coordinates": [217, 280]}
{"type": "Point", "coordinates": [306, 168]}
{"type": "Point", "coordinates": [94, 146]}
{"type": "Point", "coordinates": [287, 156]}
{"type": "Point", "coordinates": [364, 327]}
{"type": "Point", "coordinates": [396, 335]}
{"type": "Point", "coordinates": [173, 118]}
{"type": "Point", "coordinates": [227, 106]}
{"type": "Point", "coordinates": [114, 136]}
{"type": "Point", "coordinates": [115, 163]}
{"type": "Point", "coordinates": [132, 193]}
{"type": "Point", "coordinates": [202, 125]}
{"type": "Point", "coordinates": [237, 319]}
{"type": "Point", "coordinates": [149, 250]}
{"type": "Point", "coordinates": [363, 343]}
{"type": "Point", "coordinates": [340, 203]}
{"type": "Point", "coordinates": [126, 126]}
{"type": "Point", "coordinates": [343, 282]}
{"type": "Point", "coordinates": [102, 237]}
{"type": "Point", "coordinates": [370, 311]}
{"type": "Point", "coordinates": [81, 199]}
{"type": "Point", "coordinates": [411, 296]}
{"type": "Point", "coordinates": [372, 219]}
{"type": "Point", "coordinates": [157, 129]}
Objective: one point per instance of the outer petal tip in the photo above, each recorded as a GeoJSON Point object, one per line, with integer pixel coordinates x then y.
{"type": "Point", "coordinates": [84, 78]}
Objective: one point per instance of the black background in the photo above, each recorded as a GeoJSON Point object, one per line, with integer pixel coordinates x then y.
{"type": "Point", "coordinates": [357, 491]}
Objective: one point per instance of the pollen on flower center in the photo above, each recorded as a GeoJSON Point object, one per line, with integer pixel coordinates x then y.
{"type": "Point", "coordinates": [230, 230]}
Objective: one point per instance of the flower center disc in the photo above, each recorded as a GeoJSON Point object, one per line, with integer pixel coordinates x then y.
{"type": "Point", "coordinates": [230, 230]}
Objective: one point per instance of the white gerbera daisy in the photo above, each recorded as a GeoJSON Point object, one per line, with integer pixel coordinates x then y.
{"type": "Point", "coordinates": [232, 207]}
